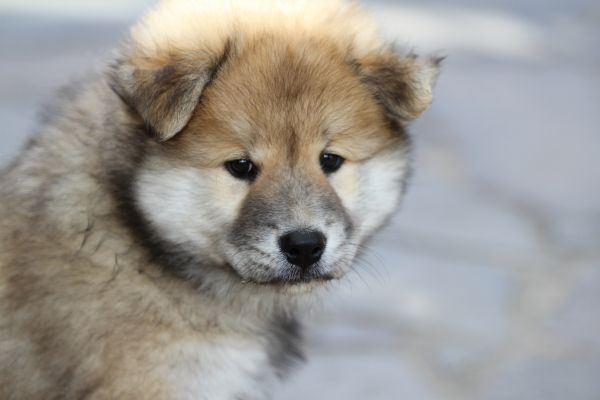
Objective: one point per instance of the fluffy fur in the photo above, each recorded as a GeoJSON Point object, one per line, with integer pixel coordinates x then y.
{"type": "Point", "coordinates": [133, 265]}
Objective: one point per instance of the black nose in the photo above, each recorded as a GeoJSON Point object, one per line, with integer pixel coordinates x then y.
{"type": "Point", "coordinates": [303, 248]}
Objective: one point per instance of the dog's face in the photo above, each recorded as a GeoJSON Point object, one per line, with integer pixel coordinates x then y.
{"type": "Point", "coordinates": [291, 159]}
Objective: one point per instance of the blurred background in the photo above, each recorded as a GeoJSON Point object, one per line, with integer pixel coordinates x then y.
{"type": "Point", "coordinates": [487, 284]}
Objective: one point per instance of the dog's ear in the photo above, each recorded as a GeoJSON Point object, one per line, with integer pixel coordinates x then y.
{"type": "Point", "coordinates": [164, 91]}
{"type": "Point", "coordinates": [402, 84]}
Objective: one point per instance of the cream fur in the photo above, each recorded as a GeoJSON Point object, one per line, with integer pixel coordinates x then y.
{"type": "Point", "coordinates": [189, 25]}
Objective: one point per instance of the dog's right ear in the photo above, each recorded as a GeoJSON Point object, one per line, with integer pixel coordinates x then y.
{"type": "Point", "coordinates": [165, 90]}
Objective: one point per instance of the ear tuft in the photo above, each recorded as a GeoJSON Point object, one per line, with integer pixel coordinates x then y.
{"type": "Point", "coordinates": [402, 84]}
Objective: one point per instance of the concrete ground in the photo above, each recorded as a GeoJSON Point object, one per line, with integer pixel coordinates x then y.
{"type": "Point", "coordinates": [487, 284]}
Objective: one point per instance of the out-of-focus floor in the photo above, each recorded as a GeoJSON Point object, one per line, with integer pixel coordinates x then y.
{"type": "Point", "coordinates": [487, 284]}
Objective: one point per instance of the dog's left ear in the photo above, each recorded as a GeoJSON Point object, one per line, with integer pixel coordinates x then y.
{"type": "Point", "coordinates": [165, 92]}
{"type": "Point", "coordinates": [402, 84]}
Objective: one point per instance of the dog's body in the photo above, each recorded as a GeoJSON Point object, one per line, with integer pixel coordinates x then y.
{"type": "Point", "coordinates": [159, 266]}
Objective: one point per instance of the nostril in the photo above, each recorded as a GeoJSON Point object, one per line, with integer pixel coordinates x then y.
{"type": "Point", "coordinates": [317, 251]}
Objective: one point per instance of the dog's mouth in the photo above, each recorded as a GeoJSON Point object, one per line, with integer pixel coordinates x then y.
{"type": "Point", "coordinates": [313, 278]}
{"type": "Point", "coordinates": [295, 281]}
{"type": "Point", "coordinates": [302, 280]}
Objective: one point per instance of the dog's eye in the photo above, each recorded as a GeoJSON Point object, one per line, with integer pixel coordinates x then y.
{"type": "Point", "coordinates": [331, 162]}
{"type": "Point", "coordinates": [242, 169]}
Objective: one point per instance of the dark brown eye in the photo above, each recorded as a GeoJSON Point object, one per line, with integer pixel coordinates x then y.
{"type": "Point", "coordinates": [242, 169]}
{"type": "Point", "coordinates": [331, 162]}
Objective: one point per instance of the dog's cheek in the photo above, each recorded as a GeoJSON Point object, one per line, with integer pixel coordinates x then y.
{"type": "Point", "coordinates": [381, 183]}
{"type": "Point", "coordinates": [188, 205]}
{"type": "Point", "coordinates": [370, 190]}
{"type": "Point", "coordinates": [226, 196]}
{"type": "Point", "coordinates": [346, 183]}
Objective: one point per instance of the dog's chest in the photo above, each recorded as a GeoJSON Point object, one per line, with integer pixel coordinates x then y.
{"type": "Point", "coordinates": [224, 368]}
{"type": "Point", "coordinates": [236, 367]}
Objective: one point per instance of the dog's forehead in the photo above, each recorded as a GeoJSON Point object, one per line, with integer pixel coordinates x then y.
{"type": "Point", "coordinates": [277, 88]}
{"type": "Point", "coordinates": [288, 99]}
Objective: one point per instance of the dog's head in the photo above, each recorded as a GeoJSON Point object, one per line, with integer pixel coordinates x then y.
{"type": "Point", "coordinates": [277, 150]}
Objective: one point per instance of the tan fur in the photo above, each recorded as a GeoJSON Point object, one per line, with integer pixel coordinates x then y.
{"type": "Point", "coordinates": [275, 90]}
{"type": "Point", "coordinates": [119, 277]}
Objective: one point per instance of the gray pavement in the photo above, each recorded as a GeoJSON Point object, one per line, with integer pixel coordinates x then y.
{"type": "Point", "coordinates": [487, 284]}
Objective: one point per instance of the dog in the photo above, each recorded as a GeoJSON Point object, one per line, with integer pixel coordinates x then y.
{"type": "Point", "coordinates": [181, 207]}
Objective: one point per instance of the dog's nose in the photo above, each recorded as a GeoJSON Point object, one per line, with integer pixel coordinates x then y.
{"type": "Point", "coordinates": [302, 248]}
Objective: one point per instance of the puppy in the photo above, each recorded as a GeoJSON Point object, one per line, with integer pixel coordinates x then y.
{"type": "Point", "coordinates": [180, 208]}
